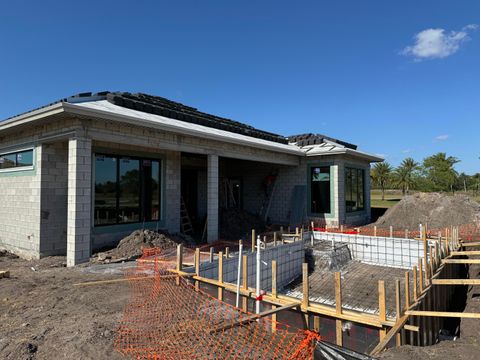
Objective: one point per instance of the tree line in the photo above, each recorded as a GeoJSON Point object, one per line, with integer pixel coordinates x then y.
{"type": "Point", "coordinates": [434, 173]}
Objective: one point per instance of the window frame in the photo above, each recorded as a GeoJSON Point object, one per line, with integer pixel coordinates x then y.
{"type": "Point", "coordinates": [362, 172]}
{"type": "Point", "coordinates": [19, 168]}
{"type": "Point", "coordinates": [333, 179]}
{"type": "Point", "coordinates": [118, 157]}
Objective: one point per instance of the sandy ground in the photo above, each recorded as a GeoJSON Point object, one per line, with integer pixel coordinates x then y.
{"type": "Point", "coordinates": [43, 316]}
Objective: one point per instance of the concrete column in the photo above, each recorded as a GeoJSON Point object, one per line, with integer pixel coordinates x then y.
{"type": "Point", "coordinates": [79, 200]}
{"type": "Point", "coordinates": [212, 198]}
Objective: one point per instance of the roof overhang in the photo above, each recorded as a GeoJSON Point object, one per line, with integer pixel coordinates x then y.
{"type": "Point", "coordinates": [106, 110]}
{"type": "Point", "coordinates": [329, 150]}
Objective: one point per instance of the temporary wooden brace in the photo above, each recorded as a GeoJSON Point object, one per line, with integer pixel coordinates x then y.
{"type": "Point", "coordinates": [461, 261]}
{"type": "Point", "coordinates": [415, 284]}
{"type": "Point", "coordinates": [197, 268]}
{"type": "Point", "coordinates": [274, 294]}
{"type": "Point", "coordinates": [220, 275]}
{"type": "Point", "coordinates": [338, 308]}
{"type": "Point", "coordinates": [456, 281]}
{"type": "Point", "coordinates": [245, 281]}
{"type": "Point", "coordinates": [253, 317]}
{"type": "Point", "coordinates": [398, 337]}
{"type": "Point", "coordinates": [112, 281]}
{"type": "Point", "coordinates": [382, 314]}
{"type": "Point", "coordinates": [465, 253]}
{"type": "Point", "coordinates": [443, 314]}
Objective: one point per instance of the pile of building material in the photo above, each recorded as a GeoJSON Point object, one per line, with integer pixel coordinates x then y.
{"type": "Point", "coordinates": [131, 247]}
{"type": "Point", "coordinates": [236, 224]}
{"type": "Point", "coordinates": [434, 209]}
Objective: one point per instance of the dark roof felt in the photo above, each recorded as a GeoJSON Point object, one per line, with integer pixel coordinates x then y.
{"type": "Point", "coordinates": [313, 139]}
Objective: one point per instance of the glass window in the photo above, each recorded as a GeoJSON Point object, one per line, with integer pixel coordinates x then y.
{"type": "Point", "coordinates": [320, 189]}
{"type": "Point", "coordinates": [354, 189]}
{"type": "Point", "coordinates": [129, 190]}
{"type": "Point", "coordinates": [105, 190]}
{"type": "Point", "coordinates": [25, 158]}
{"type": "Point", "coordinates": [16, 159]}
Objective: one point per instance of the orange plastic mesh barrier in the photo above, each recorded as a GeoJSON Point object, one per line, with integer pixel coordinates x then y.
{"type": "Point", "coordinates": [167, 318]}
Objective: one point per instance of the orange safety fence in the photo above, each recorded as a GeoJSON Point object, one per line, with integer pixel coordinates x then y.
{"type": "Point", "coordinates": [168, 318]}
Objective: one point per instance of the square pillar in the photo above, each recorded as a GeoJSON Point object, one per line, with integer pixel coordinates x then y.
{"type": "Point", "coordinates": [79, 200]}
{"type": "Point", "coordinates": [212, 198]}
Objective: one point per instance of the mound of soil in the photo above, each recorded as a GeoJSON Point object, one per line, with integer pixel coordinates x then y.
{"type": "Point", "coordinates": [436, 210]}
{"type": "Point", "coordinates": [131, 247]}
{"type": "Point", "coordinates": [236, 224]}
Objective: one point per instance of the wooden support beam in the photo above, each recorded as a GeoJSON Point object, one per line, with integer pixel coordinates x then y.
{"type": "Point", "coordinates": [470, 244]}
{"type": "Point", "coordinates": [456, 281]}
{"type": "Point", "coordinates": [465, 253]}
{"type": "Point", "coordinates": [382, 306]}
{"type": "Point", "coordinates": [306, 288]}
{"type": "Point", "coordinates": [220, 275]}
{"type": "Point", "coordinates": [386, 339]}
{"type": "Point", "coordinates": [338, 308]}
{"type": "Point", "coordinates": [245, 281]}
{"type": "Point", "coordinates": [253, 317]}
{"type": "Point", "coordinates": [461, 261]}
{"type": "Point", "coordinates": [443, 314]}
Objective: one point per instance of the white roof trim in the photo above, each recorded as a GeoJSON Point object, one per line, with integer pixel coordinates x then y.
{"type": "Point", "coordinates": [32, 116]}
{"type": "Point", "coordinates": [105, 109]}
{"type": "Point", "coordinates": [330, 148]}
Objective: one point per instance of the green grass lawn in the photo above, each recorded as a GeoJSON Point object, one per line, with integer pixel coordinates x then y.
{"type": "Point", "coordinates": [391, 198]}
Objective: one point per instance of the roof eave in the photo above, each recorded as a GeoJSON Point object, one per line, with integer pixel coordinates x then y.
{"type": "Point", "coordinates": [32, 116]}
{"type": "Point", "coordinates": [347, 151]}
{"type": "Point", "coordinates": [132, 120]}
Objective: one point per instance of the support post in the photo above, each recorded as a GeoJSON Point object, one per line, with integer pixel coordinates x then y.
{"type": "Point", "coordinates": [245, 281]}
{"type": "Point", "coordinates": [274, 293]}
{"type": "Point", "coordinates": [382, 306]}
{"type": "Point", "coordinates": [212, 198]}
{"type": "Point", "coordinates": [338, 308]}
{"type": "Point", "coordinates": [197, 267]}
{"type": "Point", "coordinates": [220, 275]}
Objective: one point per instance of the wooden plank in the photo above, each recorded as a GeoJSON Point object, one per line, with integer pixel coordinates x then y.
{"type": "Point", "coordinates": [112, 281]}
{"type": "Point", "coordinates": [420, 275]}
{"type": "Point", "coordinates": [382, 313]}
{"type": "Point", "coordinates": [220, 275]}
{"type": "Point", "coordinates": [254, 239]}
{"type": "Point", "coordinates": [245, 281]}
{"type": "Point", "coordinates": [469, 244]}
{"type": "Point", "coordinates": [197, 268]}
{"type": "Point", "coordinates": [274, 293]}
{"type": "Point", "coordinates": [338, 332]}
{"type": "Point", "coordinates": [456, 281]}
{"type": "Point", "coordinates": [393, 331]}
{"type": "Point", "coordinates": [443, 314]}
{"type": "Point", "coordinates": [465, 253]}
{"type": "Point", "coordinates": [415, 284]}
{"type": "Point", "coordinates": [407, 290]}
{"type": "Point", "coordinates": [461, 261]}
{"type": "Point", "coordinates": [253, 317]}
{"type": "Point", "coordinates": [338, 292]}
{"type": "Point", "coordinates": [398, 306]}
{"type": "Point", "coordinates": [306, 288]}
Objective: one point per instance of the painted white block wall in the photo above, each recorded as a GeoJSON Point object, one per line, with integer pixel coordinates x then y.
{"type": "Point", "coordinates": [212, 198]}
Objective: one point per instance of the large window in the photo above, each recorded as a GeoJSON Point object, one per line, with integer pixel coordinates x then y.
{"type": "Point", "coordinates": [320, 189]}
{"type": "Point", "coordinates": [354, 189]}
{"type": "Point", "coordinates": [16, 159]}
{"type": "Point", "coordinates": [127, 190]}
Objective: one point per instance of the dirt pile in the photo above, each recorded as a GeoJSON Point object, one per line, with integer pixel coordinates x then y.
{"type": "Point", "coordinates": [236, 224]}
{"type": "Point", "coordinates": [436, 210]}
{"type": "Point", "coordinates": [131, 247]}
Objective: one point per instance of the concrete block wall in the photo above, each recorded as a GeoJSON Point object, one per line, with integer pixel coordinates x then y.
{"type": "Point", "coordinates": [289, 257]}
{"type": "Point", "coordinates": [20, 209]}
{"type": "Point", "coordinates": [54, 178]}
{"type": "Point", "coordinates": [172, 191]}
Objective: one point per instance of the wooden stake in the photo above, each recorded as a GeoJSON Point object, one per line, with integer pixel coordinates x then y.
{"type": "Point", "coordinates": [254, 239]}
{"type": "Point", "coordinates": [382, 312]}
{"type": "Point", "coordinates": [227, 252]}
{"type": "Point", "coordinates": [211, 255]}
{"type": "Point", "coordinates": [420, 275]}
{"type": "Point", "coordinates": [407, 290]}
{"type": "Point", "coordinates": [306, 289]}
{"type": "Point", "coordinates": [415, 282]}
{"type": "Point", "coordinates": [245, 281]}
{"type": "Point", "coordinates": [197, 268]}
{"type": "Point", "coordinates": [274, 294]}
{"type": "Point", "coordinates": [220, 275]}
{"type": "Point", "coordinates": [338, 308]}
{"type": "Point", "coordinates": [398, 308]}
{"type": "Point", "coordinates": [274, 238]}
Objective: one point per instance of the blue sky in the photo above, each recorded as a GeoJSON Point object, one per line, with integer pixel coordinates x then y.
{"type": "Point", "coordinates": [381, 74]}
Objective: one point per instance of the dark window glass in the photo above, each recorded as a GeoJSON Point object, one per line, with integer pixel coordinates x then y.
{"type": "Point", "coordinates": [16, 159]}
{"type": "Point", "coordinates": [105, 190]}
{"type": "Point", "coordinates": [129, 190]}
{"type": "Point", "coordinates": [320, 190]}
{"type": "Point", "coordinates": [25, 158]}
{"type": "Point", "coordinates": [354, 189]}
{"type": "Point", "coordinates": [155, 197]}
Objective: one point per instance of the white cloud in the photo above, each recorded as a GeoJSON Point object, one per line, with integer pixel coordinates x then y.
{"type": "Point", "coordinates": [437, 43]}
{"type": "Point", "coordinates": [442, 137]}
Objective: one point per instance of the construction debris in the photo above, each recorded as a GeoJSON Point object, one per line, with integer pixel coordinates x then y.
{"type": "Point", "coordinates": [4, 274]}
{"type": "Point", "coordinates": [434, 209]}
{"type": "Point", "coordinates": [131, 247]}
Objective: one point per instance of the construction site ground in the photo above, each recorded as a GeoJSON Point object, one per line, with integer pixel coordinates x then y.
{"type": "Point", "coordinates": [43, 316]}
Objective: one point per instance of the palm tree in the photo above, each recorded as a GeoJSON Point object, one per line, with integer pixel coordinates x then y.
{"type": "Point", "coordinates": [404, 174]}
{"type": "Point", "coordinates": [381, 175]}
